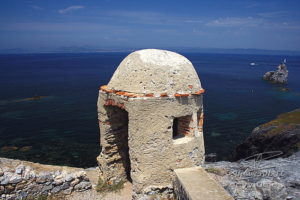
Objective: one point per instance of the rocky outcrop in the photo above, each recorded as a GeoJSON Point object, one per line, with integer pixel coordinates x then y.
{"type": "Point", "coordinates": [21, 179]}
{"type": "Point", "coordinates": [278, 76]}
{"type": "Point", "coordinates": [281, 134]}
{"type": "Point", "coordinates": [256, 175]}
{"type": "Point", "coordinates": [275, 179]}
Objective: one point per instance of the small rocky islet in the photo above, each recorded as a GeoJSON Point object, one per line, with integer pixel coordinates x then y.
{"type": "Point", "coordinates": [279, 76]}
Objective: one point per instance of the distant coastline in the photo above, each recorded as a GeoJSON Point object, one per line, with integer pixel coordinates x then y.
{"type": "Point", "coordinates": [80, 49]}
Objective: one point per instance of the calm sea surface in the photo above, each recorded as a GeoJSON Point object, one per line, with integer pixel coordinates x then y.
{"type": "Point", "coordinates": [62, 128]}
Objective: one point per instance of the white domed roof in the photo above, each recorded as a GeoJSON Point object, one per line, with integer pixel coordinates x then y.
{"type": "Point", "coordinates": [155, 71]}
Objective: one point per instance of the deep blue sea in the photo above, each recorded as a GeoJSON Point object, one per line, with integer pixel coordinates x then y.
{"type": "Point", "coordinates": [62, 128]}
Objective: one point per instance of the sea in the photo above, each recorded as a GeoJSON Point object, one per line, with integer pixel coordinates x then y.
{"type": "Point", "coordinates": [48, 111]}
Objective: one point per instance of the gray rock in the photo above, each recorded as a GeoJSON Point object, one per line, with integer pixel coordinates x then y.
{"type": "Point", "coordinates": [75, 182]}
{"type": "Point", "coordinates": [9, 188]}
{"type": "Point", "coordinates": [15, 179]}
{"type": "Point", "coordinates": [278, 76]}
{"type": "Point", "coordinates": [47, 188]}
{"type": "Point", "coordinates": [264, 179]}
{"type": "Point", "coordinates": [82, 186]}
{"type": "Point", "coordinates": [20, 186]}
{"type": "Point", "coordinates": [69, 177]}
{"type": "Point", "coordinates": [58, 181]}
{"type": "Point", "coordinates": [44, 177]}
{"type": "Point", "coordinates": [56, 189]}
{"type": "Point", "coordinates": [23, 195]}
{"type": "Point", "coordinates": [28, 174]}
{"type": "Point", "coordinates": [20, 169]}
{"type": "Point", "coordinates": [34, 188]}
{"type": "Point", "coordinates": [57, 173]}
{"type": "Point", "coordinates": [80, 174]}
{"type": "Point", "coordinates": [2, 178]}
{"type": "Point", "coordinates": [68, 191]}
{"type": "Point", "coordinates": [271, 189]}
{"type": "Point", "coordinates": [5, 179]}
{"type": "Point", "coordinates": [66, 185]}
{"type": "Point", "coordinates": [11, 197]}
{"type": "Point", "coordinates": [1, 172]}
{"type": "Point", "coordinates": [48, 183]}
{"type": "Point", "coordinates": [1, 189]}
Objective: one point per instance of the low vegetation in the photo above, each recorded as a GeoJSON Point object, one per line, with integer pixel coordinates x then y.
{"type": "Point", "coordinates": [290, 118]}
{"type": "Point", "coordinates": [104, 187]}
{"type": "Point", "coordinates": [283, 123]}
{"type": "Point", "coordinates": [216, 171]}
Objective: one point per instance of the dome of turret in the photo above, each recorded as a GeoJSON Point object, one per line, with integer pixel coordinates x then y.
{"type": "Point", "coordinates": [155, 71]}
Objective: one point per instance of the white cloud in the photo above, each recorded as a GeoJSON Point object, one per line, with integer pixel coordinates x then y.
{"type": "Point", "coordinates": [70, 9]}
{"type": "Point", "coordinates": [252, 5]}
{"type": "Point", "coordinates": [235, 22]}
{"type": "Point", "coordinates": [272, 14]}
{"type": "Point", "coordinates": [36, 7]}
{"type": "Point", "coordinates": [150, 18]}
{"type": "Point", "coordinates": [193, 21]}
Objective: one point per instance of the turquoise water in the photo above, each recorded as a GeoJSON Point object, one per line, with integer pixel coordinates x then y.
{"type": "Point", "coordinates": [62, 126]}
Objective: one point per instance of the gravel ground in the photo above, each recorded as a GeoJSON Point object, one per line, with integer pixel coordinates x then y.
{"type": "Point", "coordinates": [124, 194]}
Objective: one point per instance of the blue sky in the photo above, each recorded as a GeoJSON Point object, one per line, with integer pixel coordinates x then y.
{"type": "Point", "coordinates": [41, 24]}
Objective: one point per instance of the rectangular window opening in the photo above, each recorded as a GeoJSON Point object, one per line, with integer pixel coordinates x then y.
{"type": "Point", "coordinates": [182, 127]}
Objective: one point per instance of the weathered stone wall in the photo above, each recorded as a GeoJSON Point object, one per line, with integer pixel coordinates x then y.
{"type": "Point", "coordinates": [154, 154]}
{"type": "Point", "coordinates": [114, 157]}
{"type": "Point", "coordinates": [21, 179]}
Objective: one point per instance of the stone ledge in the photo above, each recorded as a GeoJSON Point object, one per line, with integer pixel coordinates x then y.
{"type": "Point", "coordinates": [196, 184]}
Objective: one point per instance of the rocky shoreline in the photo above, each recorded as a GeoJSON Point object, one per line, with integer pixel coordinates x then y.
{"type": "Point", "coordinates": [259, 179]}
{"type": "Point", "coordinates": [267, 162]}
{"type": "Point", "coordinates": [281, 134]}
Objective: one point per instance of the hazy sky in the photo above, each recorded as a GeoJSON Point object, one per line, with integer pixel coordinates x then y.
{"type": "Point", "coordinates": [41, 24]}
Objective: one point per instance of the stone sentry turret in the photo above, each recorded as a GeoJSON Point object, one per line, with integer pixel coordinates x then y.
{"type": "Point", "coordinates": [151, 118]}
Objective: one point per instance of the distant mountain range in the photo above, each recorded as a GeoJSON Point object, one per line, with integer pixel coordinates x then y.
{"type": "Point", "coordinates": [87, 49]}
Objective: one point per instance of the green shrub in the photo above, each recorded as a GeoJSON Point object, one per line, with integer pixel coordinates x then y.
{"type": "Point", "coordinates": [215, 171]}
